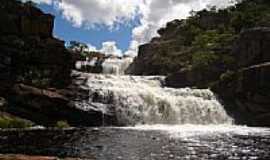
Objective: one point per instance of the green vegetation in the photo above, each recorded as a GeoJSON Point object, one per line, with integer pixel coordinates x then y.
{"type": "Point", "coordinates": [203, 43]}
{"type": "Point", "coordinates": [77, 46]}
{"type": "Point", "coordinates": [8, 122]}
{"type": "Point", "coordinates": [62, 124]}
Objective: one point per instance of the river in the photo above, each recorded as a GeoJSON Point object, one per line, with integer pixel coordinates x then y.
{"type": "Point", "coordinates": [158, 123]}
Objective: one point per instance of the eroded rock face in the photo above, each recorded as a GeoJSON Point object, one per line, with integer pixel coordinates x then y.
{"type": "Point", "coordinates": [24, 19]}
{"type": "Point", "coordinates": [28, 52]}
{"type": "Point", "coordinates": [254, 93]}
{"type": "Point", "coordinates": [47, 107]}
{"type": "Point", "coordinates": [247, 93]}
{"type": "Point", "coordinates": [31, 62]}
{"type": "Point", "coordinates": [253, 47]}
{"type": "Point", "coordinates": [248, 89]}
{"type": "Point", "coordinates": [172, 50]}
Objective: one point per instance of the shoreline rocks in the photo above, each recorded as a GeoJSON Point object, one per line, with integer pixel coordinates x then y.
{"type": "Point", "coordinates": [28, 157]}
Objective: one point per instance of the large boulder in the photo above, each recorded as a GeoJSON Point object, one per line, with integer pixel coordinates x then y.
{"type": "Point", "coordinates": [47, 107]}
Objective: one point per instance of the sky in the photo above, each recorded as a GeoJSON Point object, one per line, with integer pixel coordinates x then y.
{"type": "Point", "coordinates": [117, 27]}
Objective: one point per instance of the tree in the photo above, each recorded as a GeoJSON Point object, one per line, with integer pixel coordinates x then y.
{"type": "Point", "coordinates": [77, 46]}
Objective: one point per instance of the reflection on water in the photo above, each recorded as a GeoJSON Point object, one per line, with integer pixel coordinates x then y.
{"type": "Point", "coordinates": [157, 142]}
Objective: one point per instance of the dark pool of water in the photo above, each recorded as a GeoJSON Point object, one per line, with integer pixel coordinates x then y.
{"type": "Point", "coordinates": [142, 143]}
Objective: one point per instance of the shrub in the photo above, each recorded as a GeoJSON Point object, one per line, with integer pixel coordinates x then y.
{"type": "Point", "coordinates": [7, 122]}
{"type": "Point", "coordinates": [62, 124]}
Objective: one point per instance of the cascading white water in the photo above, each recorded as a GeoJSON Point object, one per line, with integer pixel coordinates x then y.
{"type": "Point", "coordinates": [111, 65]}
{"type": "Point", "coordinates": [142, 100]}
{"type": "Point", "coordinates": [116, 66]}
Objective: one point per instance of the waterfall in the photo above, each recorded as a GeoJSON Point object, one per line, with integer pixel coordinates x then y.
{"type": "Point", "coordinates": [110, 65]}
{"type": "Point", "coordinates": [116, 66]}
{"type": "Point", "coordinates": [139, 100]}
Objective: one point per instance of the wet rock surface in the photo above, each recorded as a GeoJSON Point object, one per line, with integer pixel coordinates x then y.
{"type": "Point", "coordinates": [136, 144]}
{"type": "Point", "coordinates": [25, 157]}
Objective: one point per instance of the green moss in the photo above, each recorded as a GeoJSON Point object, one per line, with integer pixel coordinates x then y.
{"type": "Point", "coordinates": [62, 124]}
{"type": "Point", "coordinates": [7, 122]}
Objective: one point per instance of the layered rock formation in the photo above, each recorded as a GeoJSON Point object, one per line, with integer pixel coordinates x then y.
{"type": "Point", "coordinates": [35, 69]}
{"type": "Point", "coordinates": [247, 89]}
{"type": "Point", "coordinates": [29, 53]}
{"type": "Point", "coordinates": [226, 50]}
{"type": "Point", "coordinates": [162, 55]}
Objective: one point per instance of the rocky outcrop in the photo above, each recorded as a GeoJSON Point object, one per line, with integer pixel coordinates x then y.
{"type": "Point", "coordinates": [47, 107]}
{"type": "Point", "coordinates": [252, 47]}
{"type": "Point", "coordinates": [35, 70]}
{"type": "Point", "coordinates": [172, 50]}
{"type": "Point", "coordinates": [28, 52]}
{"type": "Point", "coordinates": [163, 55]}
{"type": "Point", "coordinates": [218, 50]}
{"type": "Point", "coordinates": [246, 94]}
{"type": "Point", "coordinates": [247, 89]}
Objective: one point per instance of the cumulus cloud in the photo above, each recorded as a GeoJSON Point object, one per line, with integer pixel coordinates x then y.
{"type": "Point", "coordinates": [153, 15]}
{"type": "Point", "coordinates": [108, 48]}
{"type": "Point", "coordinates": [98, 12]}
{"type": "Point", "coordinates": [156, 13]}
{"type": "Point", "coordinates": [92, 47]}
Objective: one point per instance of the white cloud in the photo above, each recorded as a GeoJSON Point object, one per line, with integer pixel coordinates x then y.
{"type": "Point", "coordinates": [91, 47]}
{"type": "Point", "coordinates": [108, 48]}
{"type": "Point", "coordinates": [98, 12]}
{"type": "Point", "coordinates": [154, 15]}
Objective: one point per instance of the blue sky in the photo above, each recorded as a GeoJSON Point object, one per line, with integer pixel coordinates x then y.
{"type": "Point", "coordinates": [117, 26]}
{"type": "Point", "coordinates": [64, 30]}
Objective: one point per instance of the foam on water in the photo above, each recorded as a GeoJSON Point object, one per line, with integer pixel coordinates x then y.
{"type": "Point", "coordinates": [189, 131]}
{"type": "Point", "coordinates": [143, 100]}
{"type": "Point", "coordinates": [116, 66]}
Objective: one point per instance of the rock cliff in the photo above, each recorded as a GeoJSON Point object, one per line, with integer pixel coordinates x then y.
{"type": "Point", "coordinates": [29, 53]}
{"type": "Point", "coordinates": [35, 69]}
{"type": "Point", "coordinates": [247, 89]}
{"type": "Point", "coordinates": [226, 50]}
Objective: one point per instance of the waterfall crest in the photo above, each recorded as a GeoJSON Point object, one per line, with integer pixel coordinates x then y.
{"type": "Point", "coordinates": [142, 100]}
